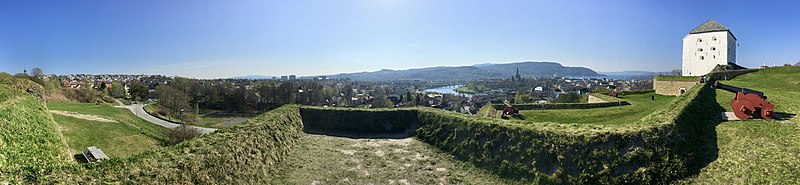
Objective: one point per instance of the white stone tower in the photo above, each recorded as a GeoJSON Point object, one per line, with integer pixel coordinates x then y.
{"type": "Point", "coordinates": [707, 46]}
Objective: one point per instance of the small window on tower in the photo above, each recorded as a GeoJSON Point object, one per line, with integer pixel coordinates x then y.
{"type": "Point", "coordinates": [714, 56]}
{"type": "Point", "coordinates": [714, 38]}
{"type": "Point", "coordinates": [699, 49]}
{"type": "Point", "coordinates": [713, 49]}
{"type": "Point", "coordinates": [701, 57]}
{"type": "Point", "coordinates": [699, 40]}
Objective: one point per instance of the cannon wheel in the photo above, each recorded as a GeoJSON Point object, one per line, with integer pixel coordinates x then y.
{"type": "Point", "coordinates": [767, 113]}
{"type": "Point", "coordinates": [743, 109]}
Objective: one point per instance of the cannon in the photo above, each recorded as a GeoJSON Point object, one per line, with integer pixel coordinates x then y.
{"type": "Point", "coordinates": [508, 110]}
{"type": "Point", "coordinates": [748, 103]}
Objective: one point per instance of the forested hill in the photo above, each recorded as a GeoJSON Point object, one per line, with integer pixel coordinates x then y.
{"type": "Point", "coordinates": [480, 71]}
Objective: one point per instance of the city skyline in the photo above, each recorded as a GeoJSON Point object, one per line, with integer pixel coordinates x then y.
{"type": "Point", "coordinates": [208, 39]}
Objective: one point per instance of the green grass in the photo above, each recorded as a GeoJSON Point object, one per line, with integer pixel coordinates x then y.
{"type": "Point", "coordinates": [115, 139]}
{"type": "Point", "coordinates": [466, 90]}
{"type": "Point", "coordinates": [641, 106]}
{"type": "Point", "coordinates": [124, 101]}
{"type": "Point", "coordinates": [757, 151]}
{"type": "Point", "coordinates": [30, 144]}
{"type": "Point", "coordinates": [678, 78]}
{"type": "Point", "coordinates": [339, 160]}
{"type": "Point", "coordinates": [124, 116]}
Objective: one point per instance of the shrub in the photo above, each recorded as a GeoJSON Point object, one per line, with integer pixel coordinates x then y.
{"type": "Point", "coordinates": [181, 133]}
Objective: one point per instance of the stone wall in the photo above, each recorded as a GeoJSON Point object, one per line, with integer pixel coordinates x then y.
{"type": "Point", "coordinates": [672, 88]}
{"type": "Point", "coordinates": [594, 99]}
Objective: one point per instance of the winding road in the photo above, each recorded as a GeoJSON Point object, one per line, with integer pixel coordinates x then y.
{"type": "Point", "coordinates": [138, 110]}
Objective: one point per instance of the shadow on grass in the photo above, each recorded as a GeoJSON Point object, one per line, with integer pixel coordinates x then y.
{"type": "Point", "coordinates": [354, 135]}
{"type": "Point", "coordinates": [699, 124]}
{"type": "Point", "coordinates": [79, 158]}
{"type": "Point", "coordinates": [783, 116]}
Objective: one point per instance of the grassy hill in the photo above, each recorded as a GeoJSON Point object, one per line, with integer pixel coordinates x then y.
{"type": "Point", "coordinates": [30, 143]}
{"type": "Point", "coordinates": [125, 135]}
{"type": "Point", "coordinates": [756, 151]}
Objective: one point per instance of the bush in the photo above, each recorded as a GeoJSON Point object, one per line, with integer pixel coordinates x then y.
{"type": "Point", "coordinates": [84, 95]}
{"type": "Point", "coordinates": [181, 133]}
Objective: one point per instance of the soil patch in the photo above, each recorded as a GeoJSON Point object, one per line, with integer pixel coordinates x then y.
{"type": "Point", "coordinates": [83, 116]}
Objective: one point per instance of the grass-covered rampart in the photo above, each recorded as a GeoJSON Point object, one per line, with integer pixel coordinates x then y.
{"type": "Point", "coordinates": [669, 144]}
{"type": "Point", "coordinates": [29, 141]}
{"type": "Point", "coordinates": [244, 154]}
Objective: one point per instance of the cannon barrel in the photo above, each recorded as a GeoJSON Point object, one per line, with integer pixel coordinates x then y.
{"type": "Point", "coordinates": [735, 89]}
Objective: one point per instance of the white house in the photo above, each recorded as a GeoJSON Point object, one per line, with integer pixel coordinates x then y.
{"type": "Point", "coordinates": [707, 46]}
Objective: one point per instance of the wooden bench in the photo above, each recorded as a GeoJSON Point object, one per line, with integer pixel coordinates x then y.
{"type": "Point", "coordinates": [94, 154]}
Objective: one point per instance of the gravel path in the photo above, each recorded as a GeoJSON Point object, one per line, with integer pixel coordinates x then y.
{"type": "Point", "coordinates": [138, 110]}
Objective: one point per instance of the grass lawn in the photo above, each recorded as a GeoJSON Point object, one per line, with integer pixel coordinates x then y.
{"type": "Point", "coordinates": [756, 151]}
{"type": "Point", "coordinates": [641, 106]}
{"type": "Point", "coordinates": [320, 159]}
{"type": "Point", "coordinates": [115, 139]}
{"type": "Point", "coordinates": [128, 136]}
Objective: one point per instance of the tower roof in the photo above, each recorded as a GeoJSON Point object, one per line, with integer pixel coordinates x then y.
{"type": "Point", "coordinates": [710, 26]}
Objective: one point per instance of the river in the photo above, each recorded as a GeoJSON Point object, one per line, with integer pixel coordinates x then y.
{"type": "Point", "coordinates": [448, 90]}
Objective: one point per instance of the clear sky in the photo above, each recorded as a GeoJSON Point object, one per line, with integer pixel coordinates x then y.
{"type": "Point", "coordinates": [225, 38]}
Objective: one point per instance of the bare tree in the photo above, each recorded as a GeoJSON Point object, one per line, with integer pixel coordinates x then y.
{"type": "Point", "coordinates": [37, 72]}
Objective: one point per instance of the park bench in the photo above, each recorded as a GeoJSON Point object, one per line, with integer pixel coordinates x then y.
{"type": "Point", "coordinates": [94, 154]}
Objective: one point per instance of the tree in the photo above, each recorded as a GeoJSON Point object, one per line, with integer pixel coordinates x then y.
{"type": "Point", "coordinates": [117, 90]}
{"type": "Point", "coordinates": [568, 98]}
{"type": "Point", "coordinates": [37, 72]}
{"type": "Point", "coordinates": [138, 91]}
{"type": "Point", "coordinates": [382, 102]}
{"type": "Point", "coordinates": [172, 99]}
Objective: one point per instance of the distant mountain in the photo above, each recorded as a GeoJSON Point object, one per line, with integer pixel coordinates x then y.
{"type": "Point", "coordinates": [253, 77]}
{"type": "Point", "coordinates": [629, 73]}
{"type": "Point", "coordinates": [479, 71]}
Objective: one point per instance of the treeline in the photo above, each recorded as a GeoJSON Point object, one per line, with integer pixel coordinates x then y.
{"type": "Point", "coordinates": [256, 96]}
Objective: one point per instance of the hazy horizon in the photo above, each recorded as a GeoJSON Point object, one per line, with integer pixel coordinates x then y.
{"type": "Point", "coordinates": [211, 39]}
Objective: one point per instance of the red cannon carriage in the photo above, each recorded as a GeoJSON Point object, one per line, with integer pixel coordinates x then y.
{"type": "Point", "coordinates": [748, 103]}
{"type": "Point", "coordinates": [508, 110]}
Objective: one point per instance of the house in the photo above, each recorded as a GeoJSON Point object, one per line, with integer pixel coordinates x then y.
{"type": "Point", "coordinates": [707, 46]}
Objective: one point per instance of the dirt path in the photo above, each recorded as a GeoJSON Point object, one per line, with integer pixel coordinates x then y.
{"type": "Point", "coordinates": [83, 116]}
{"type": "Point", "coordinates": [321, 159]}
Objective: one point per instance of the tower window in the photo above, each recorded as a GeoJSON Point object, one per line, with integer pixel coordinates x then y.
{"type": "Point", "coordinates": [714, 56]}
{"type": "Point", "coordinates": [701, 57]}
{"type": "Point", "coordinates": [714, 38]}
{"type": "Point", "coordinates": [699, 49]}
{"type": "Point", "coordinates": [699, 40]}
{"type": "Point", "coordinates": [713, 48]}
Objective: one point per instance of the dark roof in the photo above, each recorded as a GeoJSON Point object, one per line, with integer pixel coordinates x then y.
{"type": "Point", "coordinates": [711, 26]}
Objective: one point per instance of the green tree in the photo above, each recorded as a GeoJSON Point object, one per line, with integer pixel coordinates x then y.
{"type": "Point", "coordinates": [117, 90]}
{"type": "Point", "coordinates": [138, 91]}
{"type": "Point", "coordinates": [382, 102]}
{"type": "Point", "coordinates": [568, 98]}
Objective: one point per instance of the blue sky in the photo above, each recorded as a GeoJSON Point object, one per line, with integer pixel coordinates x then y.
{"type": "Point", "coordinates": [212, 39]}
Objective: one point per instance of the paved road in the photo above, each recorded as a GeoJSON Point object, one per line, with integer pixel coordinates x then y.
{"type": "Point", "coordinates": [138, 110]}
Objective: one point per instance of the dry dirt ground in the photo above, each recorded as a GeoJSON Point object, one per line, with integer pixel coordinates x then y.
{"type": "Point", "coordinates": [322, 159]}
{"type": "Point", "coordinates": [82, 116]}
